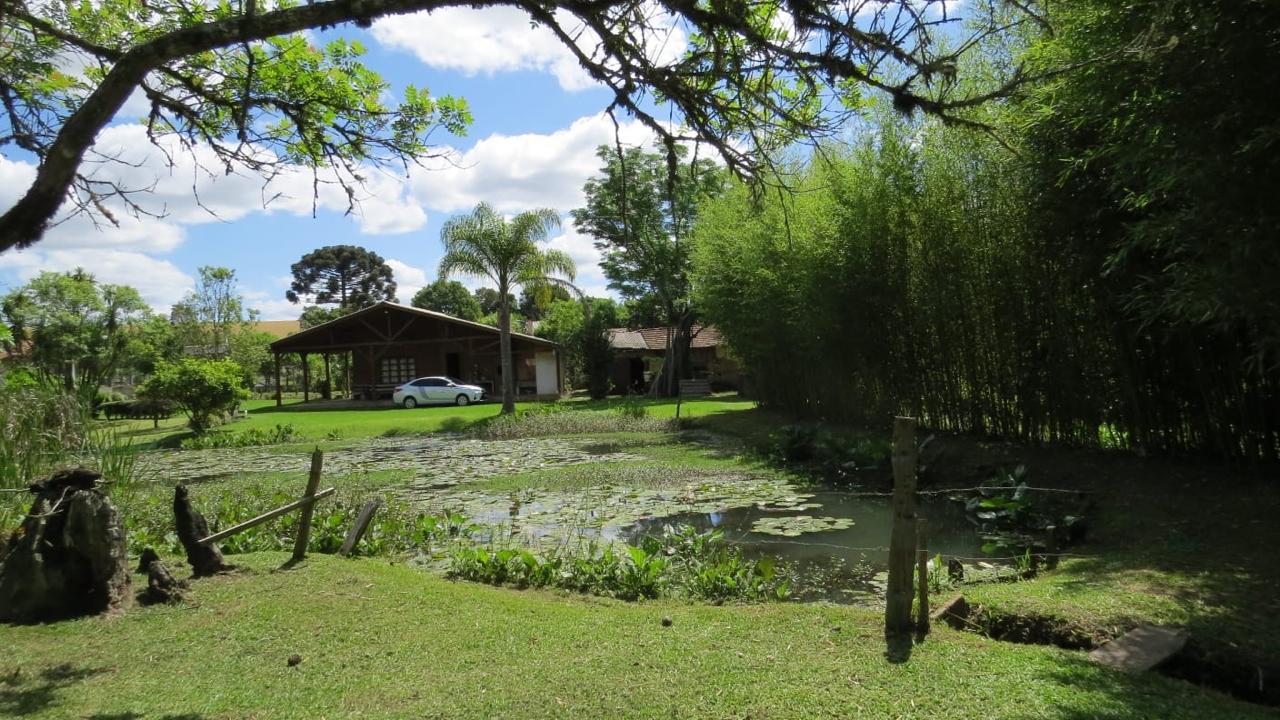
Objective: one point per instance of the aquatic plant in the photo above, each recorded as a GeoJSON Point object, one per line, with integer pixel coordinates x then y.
{"type": "Point", "coordinates": [796, 525]}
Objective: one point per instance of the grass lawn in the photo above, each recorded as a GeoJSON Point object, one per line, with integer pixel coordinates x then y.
{"type": "Point", "coordinates": [384, 640]}
{"type": "Point", "coordinates": [1174, 543]}
{"type": "Point", "coordinates": [316, 423]}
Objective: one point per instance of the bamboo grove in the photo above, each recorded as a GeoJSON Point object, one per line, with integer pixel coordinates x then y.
{"type": "Point", "coordinates": [1112, 283]}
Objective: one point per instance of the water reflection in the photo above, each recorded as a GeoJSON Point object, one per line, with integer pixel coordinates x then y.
{"type": "Point", "coordinates": [843, 565]}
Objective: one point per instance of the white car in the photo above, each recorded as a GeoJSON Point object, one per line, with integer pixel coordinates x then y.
{"type": "Point", "coordinates": [436, 391]}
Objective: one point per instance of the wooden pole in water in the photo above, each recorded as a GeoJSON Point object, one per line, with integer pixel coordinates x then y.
{"type": "Point", "coordinates": [902, 542]}
{"type": "Point", "coordinates": [922, 577]}
{"type": "Point", "coordinates": [304, 522]}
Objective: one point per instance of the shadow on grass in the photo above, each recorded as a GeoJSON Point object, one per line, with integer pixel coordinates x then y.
{"type": "Point", "coordinates": [1122, 696]}
{"type": "Point", "coordinates": [22, 693]}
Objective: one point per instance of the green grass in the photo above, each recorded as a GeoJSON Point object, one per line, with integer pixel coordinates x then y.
{"type": "Point", "coordinates": [1184, 546]}
{"type": "Point", "coordinates": [1169, 543]}
{"type": "Point", "coordinates": [384, 640]}
{"type": "Point", "coordinates": [315, 423]}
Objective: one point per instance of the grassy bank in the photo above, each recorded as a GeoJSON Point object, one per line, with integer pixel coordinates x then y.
{"type": "Point", "coordinates": [383, 640]}
{"type": "Point", "coordinates": [316, 422]}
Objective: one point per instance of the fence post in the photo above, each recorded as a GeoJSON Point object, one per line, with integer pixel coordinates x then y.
{"type": "Point", "coordinates": [922, 577]}
{"type": "Point", "coordinates": [902, 542]}
{"type": "Point", "coordinates": [362, 523]}
{"type": "Point", "coordinates": [304, 522]}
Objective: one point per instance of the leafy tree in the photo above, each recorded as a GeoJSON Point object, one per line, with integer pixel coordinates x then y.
{"type": "Point", "coordinates": [244, 81]}
{"type": "Point", "coordinates": [317, 315]}
{"type": "Point", "coordinates": [581, 328]}
{"type": "Point", "coordinates": [483, 244]}
{"type": "Point", "coordinates": [151, 342]}
{"type": "Point", "coordinates": [344, 275]}
{"type": "Point", "coordinates": [73, 329]}
{"type": "Point", "coordinates": [489, 300]}
{"type": "Point", "coordinates": [207, 317]}
{"type": "Point", "coordinates": [251, 350]}
{"type": "Point", "coordinates": [535, 300]}
{"type": "Point", "coordinates": [640, 210]}
{"type": "Point", "coordinates": [1160, 168]}
{"type": "Point", "coordinates": [449, 297]}
{"type": "Point", "coordinates": [204, 389]}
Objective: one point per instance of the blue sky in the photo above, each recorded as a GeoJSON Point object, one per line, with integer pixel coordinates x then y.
{"type": "Point", "coordinates": [537, 123]}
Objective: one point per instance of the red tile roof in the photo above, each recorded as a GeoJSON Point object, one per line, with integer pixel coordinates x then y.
{"type": "Point", "coordinates": [655, 338]}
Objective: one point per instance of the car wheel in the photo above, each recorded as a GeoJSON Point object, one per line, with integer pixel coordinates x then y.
{"type": "Point", "coordinates": [463, 400]}
{"type": "Point", "coordinates": [410, 403]}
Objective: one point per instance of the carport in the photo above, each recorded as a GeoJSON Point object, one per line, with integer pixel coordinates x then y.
{"type": "Point", "coordinates": [390, 344]}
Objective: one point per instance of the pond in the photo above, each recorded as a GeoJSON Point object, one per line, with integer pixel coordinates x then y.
{"type": "Point", "coordinates": [845, 563]}
{"type": "Point", "coordinates": [832, 544]}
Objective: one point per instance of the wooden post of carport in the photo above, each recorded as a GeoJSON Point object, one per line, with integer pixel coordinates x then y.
{"type": "Point", "coordinates": [306, 378]}
{"type": "Point", "coordinates": [279, 399]}
{"type": "Point", "coordinates": [328, 380]}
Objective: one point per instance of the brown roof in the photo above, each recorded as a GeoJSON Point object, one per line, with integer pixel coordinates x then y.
{"type": "Point", "coordinates": [318, 337]}
{"type": "Point", "coordinates": [655, 338]}
{"type": "Point", "coordinates": [278, 328]}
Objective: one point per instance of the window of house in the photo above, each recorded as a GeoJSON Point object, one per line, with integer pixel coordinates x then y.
{"type": "Point", "coordinates": [395, 370]}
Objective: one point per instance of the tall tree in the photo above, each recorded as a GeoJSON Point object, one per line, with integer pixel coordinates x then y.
{"type": "Point", "coordinates": [534, 301]}
{"type": "Point", "coordinates": [449, 297]}
{"type": "Point", "coordinates": [640, 210]}
{"type": "Point", "coordinates": [348, 276]}
{"type": "Point", "coordinates": [72, 328]}
{"type": "Point", "coordinates": [490, 300]}
{"type": "Point", "coordinates": [244, 82]}
{"type": "Point", "coordinates": [483, 244]}
{"type": "Point", "coordinates": [209, 315]}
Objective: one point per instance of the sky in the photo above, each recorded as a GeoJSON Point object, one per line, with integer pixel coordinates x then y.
{"type": "Point", "coordinates": [537, 121]}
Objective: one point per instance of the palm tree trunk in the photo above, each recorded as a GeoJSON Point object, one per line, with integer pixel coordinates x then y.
{"type": "Point", "coordinates": [504, 351]}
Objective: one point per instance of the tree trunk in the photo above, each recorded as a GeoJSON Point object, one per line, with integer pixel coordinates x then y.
{"type": "Point", "coordinates": [68, 557]}
{"type": "Point", "coordinates": [205, 559]}
{"type": "Point", "coordinates": [504, 352]}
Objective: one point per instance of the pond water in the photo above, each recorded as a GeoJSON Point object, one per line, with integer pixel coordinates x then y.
{"type": "Point", "coordinates": [845, 564]}
{"type": "Point", "coordinates": [832, 544]}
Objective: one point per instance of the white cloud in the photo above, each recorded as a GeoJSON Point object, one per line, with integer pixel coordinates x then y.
{"type": "Point", "coordinates": [409, 279]}
{"type": "Point", "coordinates": [590, 280]}
{"type": "Point", "coordinates": [271, 305]}
{"type": "Point", "coordinates": [160, 282]}
{"type": "Point", "coordinates": [502, 39]}
{"type": "Point", "coordinates": [519, 172]}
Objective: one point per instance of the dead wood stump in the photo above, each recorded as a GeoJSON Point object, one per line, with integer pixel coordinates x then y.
{"type": "Point", "coordinates": [144, 562]}
{"type": "Point", "coordinates": [162, 586]}
{"type": "Point", "coordinates": [205, 558]}
{"type": "Point", "coordinates": [68, 557]}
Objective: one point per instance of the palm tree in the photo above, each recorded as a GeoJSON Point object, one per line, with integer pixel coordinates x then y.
{"type": "Point", "coordinates": [483, 244]}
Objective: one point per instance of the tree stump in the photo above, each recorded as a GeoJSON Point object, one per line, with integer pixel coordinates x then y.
{"type": "Point", "coordinates": [205, 559]}
{"type": "Point", "coordinates": [68, 557]}
{"type": "Point", "coordinates": [144, 562]}
{"type": "Point", "coordinates": [162, 586]}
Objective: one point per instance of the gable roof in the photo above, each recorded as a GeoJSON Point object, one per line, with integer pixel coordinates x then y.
{"type": "Point", "coordinates": [318, 336]}
{"type": "Point", "coordinates": [655, 338]}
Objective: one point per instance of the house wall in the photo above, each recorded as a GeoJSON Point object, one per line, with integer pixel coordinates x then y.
{"type": "Point", "coordinates": [546, 373]}
{"type": "Point", "coordinates": [712, 363]}
{"type": "Point", "coordinates": [477, 367]}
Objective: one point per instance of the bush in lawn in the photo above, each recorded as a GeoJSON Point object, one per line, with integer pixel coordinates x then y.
{"type": "Point", "coordinates": [203, 389]}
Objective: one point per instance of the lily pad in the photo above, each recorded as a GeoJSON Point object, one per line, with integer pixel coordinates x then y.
{"type": "Point", "coordinates": [797, 525]}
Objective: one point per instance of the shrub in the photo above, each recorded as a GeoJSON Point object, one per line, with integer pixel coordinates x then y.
{"type": "Point", "coordinates": [246, 438]}
{"type": "Point", "coordinates": [204, 389]}
{"type": "Point", "coordinates": [682, 561]}
{"type": "Point", "coordinates": [555, 419]}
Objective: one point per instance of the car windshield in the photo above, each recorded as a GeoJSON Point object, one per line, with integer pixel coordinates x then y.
{"type": "Point", "coordinates": [455, 381]}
